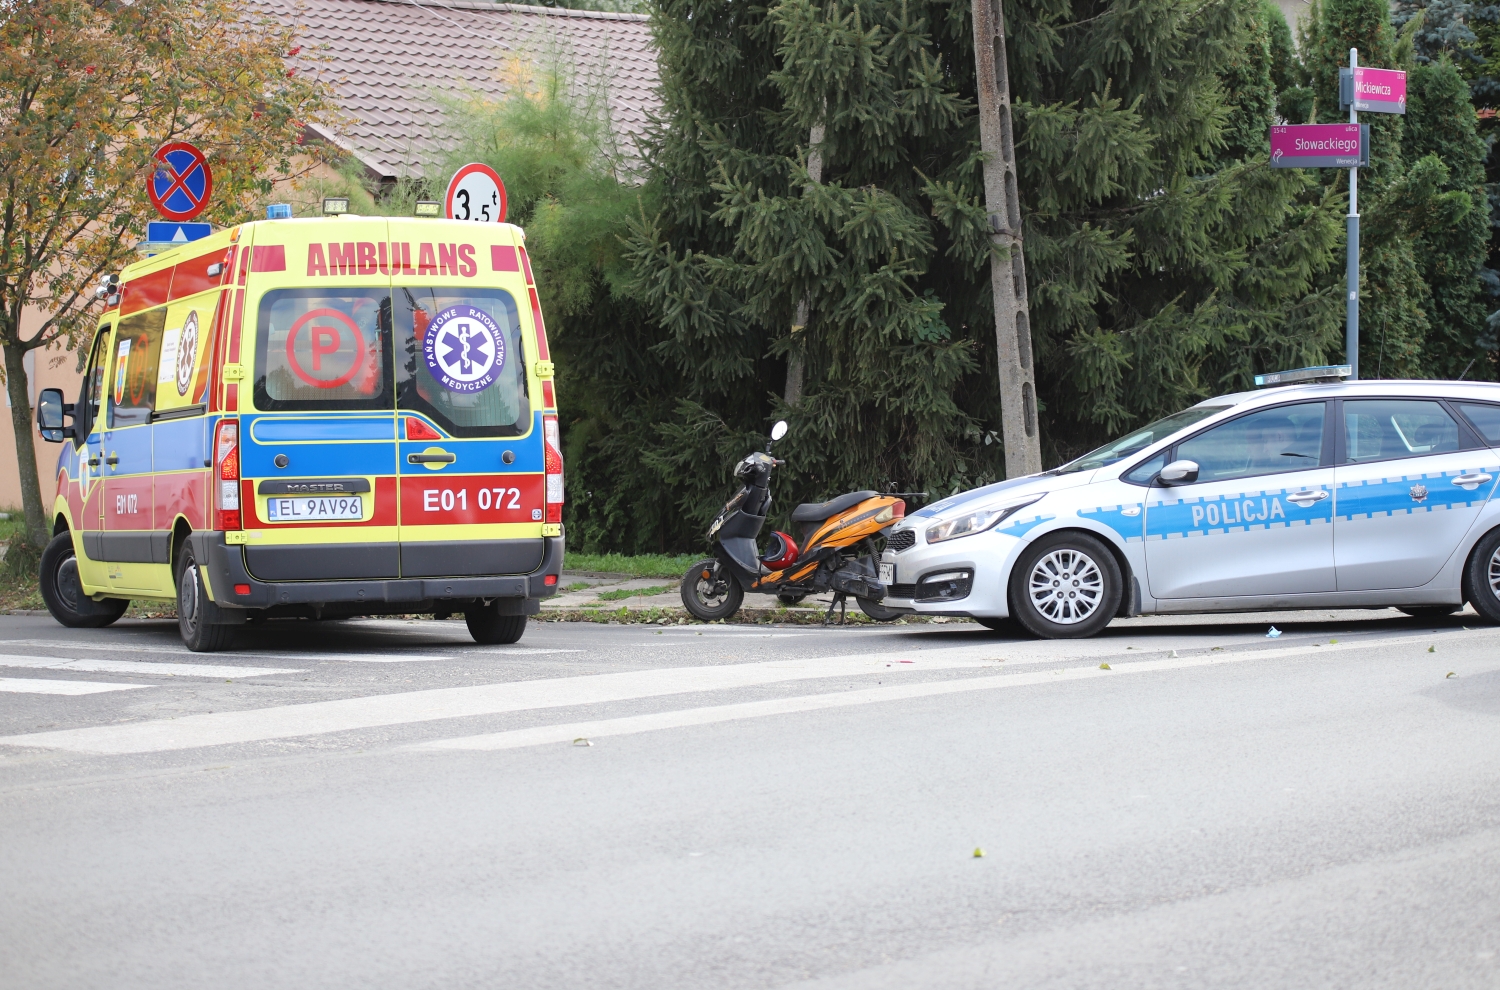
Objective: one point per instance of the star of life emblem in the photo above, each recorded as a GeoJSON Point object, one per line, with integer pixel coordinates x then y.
{"type": "Point", "coordinates": [464, 349]}
{"type": "Point", "coordinates": [187, 353]}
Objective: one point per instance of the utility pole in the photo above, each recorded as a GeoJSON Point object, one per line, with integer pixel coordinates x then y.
{"type": "Point", "coordinates": [1351, 309]}
{"type": "Point", "coordinates": [796, 357]}
{"type": "Point", "coordinates": [1023, 452]}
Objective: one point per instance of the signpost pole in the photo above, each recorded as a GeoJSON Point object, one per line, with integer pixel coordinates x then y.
{"type": "Point", "coordinates": [1351, 321]}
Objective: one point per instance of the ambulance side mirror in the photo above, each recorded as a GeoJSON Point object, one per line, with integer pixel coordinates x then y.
{"type": "Point", "coordinates": [1178, 473]}
{"type": "Point", "coordinates": [50, 411]}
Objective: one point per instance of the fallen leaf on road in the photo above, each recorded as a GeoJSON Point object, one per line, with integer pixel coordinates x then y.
{"type": "Point", "coordinates": [1449, 674]}
{"type": "Point", "coordinates": [1432, 649]}
{"type": "Point", "coordinates": [581, 741]}
{"type": "Point", "coordinates": [978, 853]}
{"type": "Point", "coordinates": [1104, 666]}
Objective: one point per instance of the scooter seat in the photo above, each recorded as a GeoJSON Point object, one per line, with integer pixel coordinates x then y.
{"type": "Point", "coordinates": [812, 512]}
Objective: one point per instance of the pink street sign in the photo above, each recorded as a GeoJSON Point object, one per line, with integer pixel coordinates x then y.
{"type": "Point", "coordinates": [1379, 90]}
{"type": "Point", "coordinates": [1317, 146]}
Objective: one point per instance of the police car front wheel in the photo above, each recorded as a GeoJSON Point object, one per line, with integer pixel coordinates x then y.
{"type": "Point", "coordinates": [1065, 586]}
{"type": "Point", "coordinates": [1482, 577]}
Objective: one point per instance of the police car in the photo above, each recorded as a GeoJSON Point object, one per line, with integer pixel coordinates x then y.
{"type": "Point", "coordinates": [1319, 493]}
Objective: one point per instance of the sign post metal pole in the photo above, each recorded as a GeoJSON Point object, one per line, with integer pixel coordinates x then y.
{"type": "Point", "coordinates": [1351, 318]}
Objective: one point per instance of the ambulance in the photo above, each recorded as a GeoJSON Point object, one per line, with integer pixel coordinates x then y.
{"type": "Point", "coordinates": [320, 418]}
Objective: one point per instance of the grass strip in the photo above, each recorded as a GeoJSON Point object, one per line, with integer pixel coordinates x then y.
{"type": "Point", "coordinates": [620, 594]}
{"type": "Point", "coordinates": [646, 565]}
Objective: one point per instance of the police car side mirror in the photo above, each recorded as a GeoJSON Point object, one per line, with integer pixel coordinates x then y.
{"type": "Point", "coordinates": [50, 411]}
{"type": "Point", "coordinates": [1178, 473]}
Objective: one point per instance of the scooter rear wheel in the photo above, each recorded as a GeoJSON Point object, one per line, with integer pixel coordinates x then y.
{"type": "Point", "coordinates": [716, 596]}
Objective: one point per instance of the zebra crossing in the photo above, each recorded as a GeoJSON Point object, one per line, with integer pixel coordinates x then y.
{"type": "Point", "coordinates": [713, 693]}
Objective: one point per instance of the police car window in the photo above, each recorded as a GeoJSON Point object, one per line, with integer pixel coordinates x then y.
{"type": "Point", "coordinates": [132, 389]}
{"type": "Point", "coordinates": [459, 360]}
{"type": "Point", "coordinates": [92, 399]}
{"type": "Point", "coordinates": [323, 349]}
{"type": "Point", "coordinates": [1138, 440]}
{"type": "Point", "coordinates": [1486, 420]}
{"type": "Point", "coordinates": [1382, 429]}
{"type": "Point", "coordinates": [1271, 441]}
{"type": "Point", "coordinates": [1142, 473]}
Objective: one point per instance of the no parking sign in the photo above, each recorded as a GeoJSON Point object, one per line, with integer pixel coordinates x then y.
{"type": "Point", "coordinates": [476, 193]}
{"type": "Point", "coordinates": [182, 183]}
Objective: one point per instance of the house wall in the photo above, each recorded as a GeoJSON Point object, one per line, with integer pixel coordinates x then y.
{"type": "Point", "coordinates": [52, 367]}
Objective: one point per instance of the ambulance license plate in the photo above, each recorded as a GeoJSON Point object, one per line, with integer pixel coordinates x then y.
{"type": "Point", "coordinates": [314, 509]}
{"type": "Point", "coordinates": [888, 574]}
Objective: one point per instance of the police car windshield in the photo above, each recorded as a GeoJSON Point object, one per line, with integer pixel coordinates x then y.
{"type": "Point", "coordinates": [1139, 440]}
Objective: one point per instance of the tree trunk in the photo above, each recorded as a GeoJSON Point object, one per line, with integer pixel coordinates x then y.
{"type": "Point", "coordinates": [16, 386]}
{"type": "Point", "coordinates": [797, 356]}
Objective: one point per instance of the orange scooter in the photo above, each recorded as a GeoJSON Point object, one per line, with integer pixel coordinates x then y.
{"type": "Point", "coordinates": [838, 552]}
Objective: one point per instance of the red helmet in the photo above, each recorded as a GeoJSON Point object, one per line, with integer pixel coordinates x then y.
{"type": "Point", "coordinates": [780, 552]}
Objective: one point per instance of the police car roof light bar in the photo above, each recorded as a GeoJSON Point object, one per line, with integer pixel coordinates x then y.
{"type": "Point", "coordinates": [1305, 376]}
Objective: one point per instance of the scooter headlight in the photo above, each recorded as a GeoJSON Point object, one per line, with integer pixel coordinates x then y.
{"type": "Point", "coordinates": [975, 522]}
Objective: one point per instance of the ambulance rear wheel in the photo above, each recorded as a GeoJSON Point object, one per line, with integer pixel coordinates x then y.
{"type": "Point", "coordinates": [63, 591]}
{"type": "Point", "coordinates": [489, 627]}
{"type": "Point", "coordinates": [196, 613]}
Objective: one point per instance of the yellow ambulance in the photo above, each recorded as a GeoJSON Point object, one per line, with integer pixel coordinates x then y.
{"type": "Point", "coordinates": [313, 417]}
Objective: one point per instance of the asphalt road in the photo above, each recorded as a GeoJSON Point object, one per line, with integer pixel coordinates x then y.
{"type": "Point", "coordinates": [384, 804]}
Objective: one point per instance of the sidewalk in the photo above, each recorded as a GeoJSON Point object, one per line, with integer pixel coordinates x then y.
{"type": "Point", "coordinates": [593, 597]}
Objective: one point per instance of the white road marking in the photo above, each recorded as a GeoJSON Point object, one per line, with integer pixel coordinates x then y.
{"type": "Point", "coordinates": [278, 655]}
{"type": "Point", "coordinates": [314, 718]}
{"type": "Point", "coordinates": [163, 668]}
{"type": "Point", "coordinates": [629, 725]}
{"type": "Point", "coordinates": [30, 685]}
{"type": "Point", "coordinates": [222, 728]}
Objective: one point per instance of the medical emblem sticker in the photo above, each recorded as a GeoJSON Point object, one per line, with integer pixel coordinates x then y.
{"type": "Point", "coordinates": [187, 353]}
{"type": "Point", "coordinates": [464, 349]}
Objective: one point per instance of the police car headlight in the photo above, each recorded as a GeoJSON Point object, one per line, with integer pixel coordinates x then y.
{"type": "Point", "coordinates": [975, 522]}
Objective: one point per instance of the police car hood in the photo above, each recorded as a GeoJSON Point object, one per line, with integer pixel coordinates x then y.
{"type": "Point", "coordinates": [1003, 491]}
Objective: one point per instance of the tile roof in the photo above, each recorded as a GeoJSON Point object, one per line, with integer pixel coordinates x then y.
{"type": "Point", "coordinates": [392, 63]}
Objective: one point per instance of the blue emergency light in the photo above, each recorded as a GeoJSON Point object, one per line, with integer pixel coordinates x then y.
{"type": "Point", "coordinates": [1303, 376]}
{"type": "Point", "coordinates": [279, 211]}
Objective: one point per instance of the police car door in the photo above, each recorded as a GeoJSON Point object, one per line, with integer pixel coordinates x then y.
{"type": "Point", "coordinates": [1258, 520]}
{"type": "Point", "coordinates": [1411, 481]}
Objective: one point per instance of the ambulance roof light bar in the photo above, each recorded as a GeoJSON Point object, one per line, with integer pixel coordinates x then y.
{"type": "Point", "coordinates": [1306, 376]}
{"type": "Point", "coordinates": [278, 211]}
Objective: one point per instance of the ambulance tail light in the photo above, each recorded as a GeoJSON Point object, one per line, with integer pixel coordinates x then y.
{"type": "Point", "coordinates": [227, 474]}
{"type": "Point", "coordinates": [552, 457]}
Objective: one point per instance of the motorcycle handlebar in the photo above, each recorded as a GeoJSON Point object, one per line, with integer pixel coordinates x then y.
{"type": "Point", "coordinates": [777, 462]}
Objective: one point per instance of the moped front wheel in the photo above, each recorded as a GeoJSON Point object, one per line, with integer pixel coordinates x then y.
{"type": "Point", "coordinates": [710, 592]}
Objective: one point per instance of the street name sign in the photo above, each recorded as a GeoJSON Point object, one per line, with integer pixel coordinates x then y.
{"type": "Point", "coordinates": [1320, 145]}
{"type": "Point", "coordinates": [1373, 90]}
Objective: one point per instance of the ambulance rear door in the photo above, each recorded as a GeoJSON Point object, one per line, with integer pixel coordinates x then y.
{"type": "Point", "coordinates": [319, 432]}
{"type": "Point", "coordinates": [471, 454]}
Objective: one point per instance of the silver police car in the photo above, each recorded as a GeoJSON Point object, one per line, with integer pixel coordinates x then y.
{"type": "Point", "coordinates": [1334, 494]}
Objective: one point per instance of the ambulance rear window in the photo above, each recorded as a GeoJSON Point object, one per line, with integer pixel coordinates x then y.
{"type": "Point", "coordinates": [324, 348]}
{"type": "Point", "coordinates": [459, 360]}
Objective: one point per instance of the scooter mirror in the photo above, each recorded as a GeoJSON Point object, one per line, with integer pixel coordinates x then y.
{"type": "Point", "coordinates": [779, 430]}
